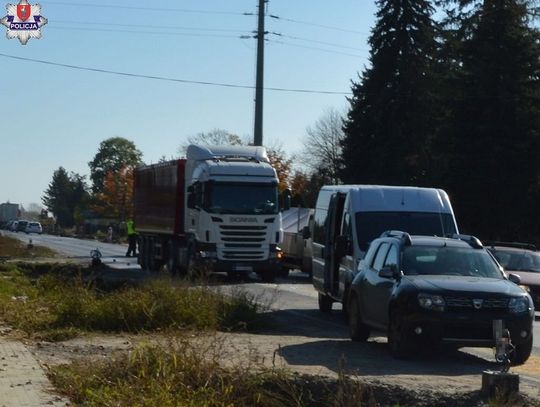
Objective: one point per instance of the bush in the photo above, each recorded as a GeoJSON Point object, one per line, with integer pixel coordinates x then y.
{"type": "Point", "coordinates": [54, 302]}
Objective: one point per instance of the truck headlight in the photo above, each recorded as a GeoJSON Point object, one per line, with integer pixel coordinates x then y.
{"type": "Point", "coordinates": [431, 302]}
{"type": "Point", "coordinates": [206, 254]}
{"type": "Point", "coordinates": [518, 305]}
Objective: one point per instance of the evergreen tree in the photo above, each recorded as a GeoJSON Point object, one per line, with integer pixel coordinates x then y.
{"type": "Point", "coordinates": [64, 193]}
{"type": "Point", "coordinates": [492, 137]}
{"type": "Point", "coordinates": [389, 127]}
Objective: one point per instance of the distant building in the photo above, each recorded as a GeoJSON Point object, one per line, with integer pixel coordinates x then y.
{"type": "Point", "coordinates": [9, 211]}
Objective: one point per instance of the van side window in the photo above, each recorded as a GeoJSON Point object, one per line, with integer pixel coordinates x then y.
{"type": "Point", "coordinates": [392, 258]}
{"type": "Point", "coordinates": [380, 256]}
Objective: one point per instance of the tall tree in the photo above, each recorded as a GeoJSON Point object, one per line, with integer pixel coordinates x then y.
{"type": "Point", "coordinates": [63, 195]}
{"type": "Point", "coordinates": [116, 199]}
{"type": "Point", "coordinates": [493, 170]}
{"type": "Point", "coordinates": [389, 126]}
{"type": "Point", "coordinates": [322, 145]}
{"type": "Point", "coordinates": [114, 154]}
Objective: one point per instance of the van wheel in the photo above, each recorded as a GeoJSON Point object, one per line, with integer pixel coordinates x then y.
{"type": "Point", "coordinates": [325, 303]}
{"type": "Point", "coordinates": [358, 331]}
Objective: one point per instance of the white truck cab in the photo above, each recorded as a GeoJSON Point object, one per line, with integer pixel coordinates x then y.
{"type": "Point", "coordinates": [348, 217]}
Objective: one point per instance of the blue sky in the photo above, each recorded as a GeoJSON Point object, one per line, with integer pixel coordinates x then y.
{"type": "Point", "coordinates": [55, 116]}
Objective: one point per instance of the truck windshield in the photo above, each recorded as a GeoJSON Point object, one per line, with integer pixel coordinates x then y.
{"type": "Point", "coordinates": [241, 198]}
{"type": "Point", "coordinates": [370, 225]}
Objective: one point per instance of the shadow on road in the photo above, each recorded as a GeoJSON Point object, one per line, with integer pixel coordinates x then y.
{"type": "Point", "coordinates": [372, 358]}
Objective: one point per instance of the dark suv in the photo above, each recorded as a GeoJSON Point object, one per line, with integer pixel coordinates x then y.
{"type": "Point", "coordinates": [428, 290]}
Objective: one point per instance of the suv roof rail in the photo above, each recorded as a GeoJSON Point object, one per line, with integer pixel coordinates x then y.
{"type": "Point", "coordinates": [472, 240]}
{"type": "Point", "coordinates": [517, 245]}
{"type": "Point", "coordinates": [404, 236]}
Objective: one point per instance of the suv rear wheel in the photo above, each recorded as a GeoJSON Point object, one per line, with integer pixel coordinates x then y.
{"type": "Point", "coordinates": [358, 331]}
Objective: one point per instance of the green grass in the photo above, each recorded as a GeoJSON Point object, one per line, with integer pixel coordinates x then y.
{"type": "Point", "coordinates": [58, 306]}
{"type": "Point", "coordinates": [181, 374]}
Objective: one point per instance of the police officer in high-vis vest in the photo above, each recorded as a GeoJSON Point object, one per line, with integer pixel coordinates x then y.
{"type": "Point", "coordinates": [132, 238]}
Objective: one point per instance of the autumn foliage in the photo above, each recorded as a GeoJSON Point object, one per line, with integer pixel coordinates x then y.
{"type": "Point", "coordinates": [116, 199]}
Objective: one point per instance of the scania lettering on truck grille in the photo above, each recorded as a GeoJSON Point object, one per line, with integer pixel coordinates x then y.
{"type": "Point", "coordinates": [243, 220]}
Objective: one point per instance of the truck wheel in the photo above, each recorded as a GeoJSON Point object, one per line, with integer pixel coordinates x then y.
{"type": "Point", "coordinates": [142, 253]}
{"type": "Point", "coordinates": [358, 331]}
{"type": "Point", "coordinates": [172, 263]}
{"type": "Point", "coordinates": [325, 303]}
{"type": "Point", "coordinates": [267, 276]}
{"type": "Point", "coordinates": [400, 345]}
{"type": "Point", "coordinates": [522, 352]}
{"type": "Point", "coordinates": [284, 272]}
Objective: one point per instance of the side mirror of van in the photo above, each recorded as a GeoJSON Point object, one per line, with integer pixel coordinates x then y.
{"type": "Point", "coordinates": [306, 233]}
{"type": "Point", "coordinates": [342, 246]}
{"type": "Point", "coordinates": [191, 200]}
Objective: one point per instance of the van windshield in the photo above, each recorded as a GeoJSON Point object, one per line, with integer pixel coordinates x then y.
{"type": "Point", "coordinates": [370, 225]}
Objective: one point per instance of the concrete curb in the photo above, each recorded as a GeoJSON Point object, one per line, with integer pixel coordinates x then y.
{"type": "Point", "coordinates": [23, 382]}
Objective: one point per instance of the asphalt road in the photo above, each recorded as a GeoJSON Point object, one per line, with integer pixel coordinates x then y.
{"type": "Point", "coordinates": [294, 295]}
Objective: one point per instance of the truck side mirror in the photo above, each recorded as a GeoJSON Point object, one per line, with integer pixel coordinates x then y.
{"type": "Point", "coordinates": [285, 199]}
{"type": "Point", "coordinates": [306, 233]}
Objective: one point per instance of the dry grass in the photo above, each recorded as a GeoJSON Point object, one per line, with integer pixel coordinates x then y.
{"type": "Point", "coordinates": [14, 248]}
{"type": "Point", "coordinates": [57, 306]}
{"type": "Point", "coordinates": [183, 374]}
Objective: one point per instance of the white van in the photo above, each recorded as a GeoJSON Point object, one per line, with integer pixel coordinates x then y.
{"type": "Point", "coordinates": [348, 217]}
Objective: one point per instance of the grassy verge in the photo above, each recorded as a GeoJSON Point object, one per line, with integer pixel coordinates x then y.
{"type": "Point", "coordinates": [181, 374]}
{"type": "Point", "coordinates": [14, 248]}
{"type": "Point", "coordinates": [55, 306]}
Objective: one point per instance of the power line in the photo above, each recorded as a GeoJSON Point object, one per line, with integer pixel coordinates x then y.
{"type": "Point", "coordinates": [162, 78]}
{"type": "Point", "coordinates": [171, 27]}
{"type": "Point", "coordinates": [116, 6]}
{"type": "Point", "coordinates": [145, 32]}
{"type": "Point", "coordinates": [315, 48]}
{"type": "Point", "coordinates": [317, 42]}
{"type": "Point", "coordinates": [328, 27]}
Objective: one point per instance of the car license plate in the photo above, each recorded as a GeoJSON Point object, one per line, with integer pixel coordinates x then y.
{"type": "Point", "coordinates": [240, 267]}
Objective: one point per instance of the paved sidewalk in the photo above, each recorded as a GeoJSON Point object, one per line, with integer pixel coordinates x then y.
{"type": "Point", "coordinates": [23, 382]}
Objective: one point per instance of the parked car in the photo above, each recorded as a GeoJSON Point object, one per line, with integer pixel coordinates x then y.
{"type": "Point", "coordinates": [521, 259]}
{"type": "Point", "coordinates": [34, 227]}
{"type": "Point", "coordinates": [21, 226]}
{"type": "Point", "coordinates": [13, 226]}
{"type": "Point", "coordinates": [425, 291]}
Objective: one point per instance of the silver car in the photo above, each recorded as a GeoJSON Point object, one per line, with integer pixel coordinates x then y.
{"type": "Point", "coordinates": [34, 227]}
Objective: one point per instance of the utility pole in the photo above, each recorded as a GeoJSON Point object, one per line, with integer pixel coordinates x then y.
{"type": "Point", "coordinates": [258, 131]}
